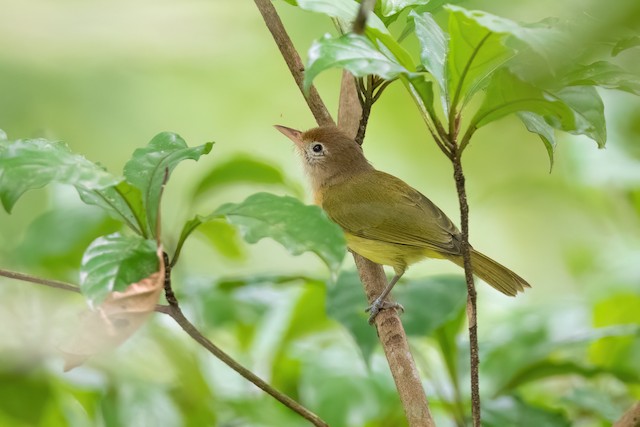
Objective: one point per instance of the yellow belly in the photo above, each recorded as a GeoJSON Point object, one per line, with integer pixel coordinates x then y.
{"type": "Point", "coordinates": [385, 253]}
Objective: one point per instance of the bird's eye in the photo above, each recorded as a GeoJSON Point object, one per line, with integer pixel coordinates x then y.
{"type": "Point", "coordinates": [317, 148]}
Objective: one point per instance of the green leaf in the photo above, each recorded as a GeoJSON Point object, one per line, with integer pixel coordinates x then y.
{"type": "Point", "coordinates": [346, 302]}
{"type": "Point", "coordinates": [588, 111]}
{"type": "Point", "coordinates": [298, 227]}
{"type": "Point", "coordinates": [122, 202]}
{"type": "Point", "coordinates": [352, 52]}
{"type": "Point", "coordinates": [475, 52]}
{"type": "Point", "coordinates": [243, 169]}
{"type": "Point", "coordinates": [220, 234]}
{"type": "Point", "coordinates": [33, 163]}
{"type": "Point", "coordinates": [537, 124]}
{"type": "Point", "coordinates": [393, 7]}
{"type": "Point", "coordinates": [343, 9]}
{"type": "Point", "coordinates": [603, 74]}
{"type": "Point", "coordinates": [146, 169]}
{"type": "Point", "coordinates": [423, 90]}
{"type": "Point", "coordinates": [549, 368]}
{"type": "Point", "coordinates": [446, 337]}
{"type": "Point", "coordinates": [507, 94]}
{"type": "Point", "coordinates": [224, 237]}
{"type": "Point", "coordinates": [516, 412]}
{"type": "Point", "coordinates": [113, 262]}
{"type": "Point", "coordinates": [430, 302]}
{"type": "Point", "coordinates": [624, 44]}
{"type": "Point", "coordinates": [433, 47]}
{"type": "Point", "coordinates": [56, 239]}
{"type": "Point", "coordinates": [618, 353]}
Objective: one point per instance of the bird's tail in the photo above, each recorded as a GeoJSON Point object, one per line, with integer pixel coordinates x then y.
{"type": "Point", "coordinates": [497, 275]}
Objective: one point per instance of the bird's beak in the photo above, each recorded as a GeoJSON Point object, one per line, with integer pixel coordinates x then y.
{"type": "Point", "coordinates": [292, 134]}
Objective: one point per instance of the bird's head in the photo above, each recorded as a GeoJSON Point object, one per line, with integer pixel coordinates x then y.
{"type": "Point", "coordinates": [327, 153]}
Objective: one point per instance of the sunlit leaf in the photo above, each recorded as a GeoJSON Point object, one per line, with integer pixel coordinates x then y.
{"type": "Point", "coordinates": [146, 169]}
{"type": "Point", "coordinates": [242, 169]}
{"type": "Point", "coordinates": [118, 317]}
{"type": "Point", "coordinates": [27, 164]}
{"type": "Point", "coordinates": [475, 52]}
{"type": "Point", "coordinates": [346, 302]}
{"type": "Point", "coordinates": [430, 302]}
{"type": "Point", "coordinates": [604, 74]}
{"type": "Point", "coordinates": [433, 47]}
{"type": "Point", "coordinates": [296, 226]}
{"type": "Point", "coordinates": [537, 124]}
{"type": "Point", "coordinates": [351, 52]}
{"type": "Point", "coordinates": [343, 9]}
{"type": "Point", "coordinates": [392, 7]}
{"type": "Point", "coordinates": [113, 262]}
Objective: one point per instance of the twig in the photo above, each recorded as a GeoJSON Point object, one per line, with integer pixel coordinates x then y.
{"type": "Point", "coordinates": [471, 289]}
{"type": "Point", "coordinates": [176, 313]}
{"type": "Point", "coordinates": [631, 418]}
{"type": "Point", "coordinates": [46, 282]}
{"type": "Point", "coordinates": [291, 57]}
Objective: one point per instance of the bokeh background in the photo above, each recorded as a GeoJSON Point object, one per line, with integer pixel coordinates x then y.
{"type": "Point", "coordinates": [106, 76]}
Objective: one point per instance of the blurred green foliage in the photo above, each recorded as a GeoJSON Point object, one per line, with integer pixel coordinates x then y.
{"type": "Point", "coordinates": [106, 76]}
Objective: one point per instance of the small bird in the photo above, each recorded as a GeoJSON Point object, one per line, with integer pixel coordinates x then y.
{"type": "Point", "coordinates": [384, 219]}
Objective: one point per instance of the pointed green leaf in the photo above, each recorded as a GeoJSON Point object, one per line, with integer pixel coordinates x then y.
{"type": "Point", "coordinates": [430, 302]}
{"type": "Point", "coordinates": [146, 169]}
{"type": "Point", "coordinates": [604, 74]}
{"type": "Point", "coordinates": [243, 169]}
{"type": "Point", "coordinates": [122, 202]}
{"type": "Point", "coordinates": [475, 52]}
{"type": "Point", "coordinates": [296, 226]}
{"type": "Point", "coordinates": [536, 124]}
{"type": "Point", "coordinates": [588, 111]}
{"type": "Point", "coordinates": [433, 47]}
{"type": "Point", "coordinates": [27, 164]}
{"type": "Point", "coordinates": [346, 302]}
{"type": "Point", "coordinates": [113, 262]}
{"type": "Point", "coordinates": [507, 94]}
{"type": "Point", "coordinates": [353, 53]}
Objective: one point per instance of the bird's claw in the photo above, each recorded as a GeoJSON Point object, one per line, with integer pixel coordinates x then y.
{"type": "Point", "coordinates": [379, 305]}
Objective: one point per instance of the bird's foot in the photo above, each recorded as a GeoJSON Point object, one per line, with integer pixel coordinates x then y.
{"type": "Point", "coordinates": [381, 304]}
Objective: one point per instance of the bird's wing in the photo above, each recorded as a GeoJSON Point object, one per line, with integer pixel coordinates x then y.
{"type": "Point", "coordinates": [379, 206]}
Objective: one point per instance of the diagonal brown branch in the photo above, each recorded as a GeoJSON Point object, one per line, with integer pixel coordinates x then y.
{"type": "Point", "coordinates": [291, 57]}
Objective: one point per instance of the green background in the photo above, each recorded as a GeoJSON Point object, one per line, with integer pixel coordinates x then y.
{"type": "Point", "coordinates": [106, 76]}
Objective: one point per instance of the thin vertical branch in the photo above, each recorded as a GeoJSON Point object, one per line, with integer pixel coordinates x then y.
{"type": "Point", "coordinates": [471, 289]}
